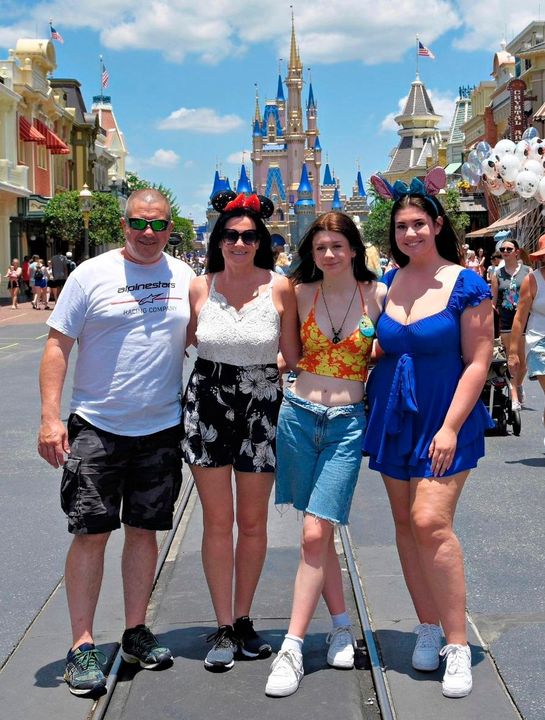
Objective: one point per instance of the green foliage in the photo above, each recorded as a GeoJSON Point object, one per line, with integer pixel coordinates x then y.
{"type": "Point", "coordinates": [104, 220]}
{"type": "Point", "coordinates": [375, 229]}
{"type": "Point", "coordinates": [184, 228]}
{"type": "Point", "coordinates": [64, 221]}
{"type": "Point", "coordinates": [62, 217]}
{"type": "Point", "coordinates": [451, 204]}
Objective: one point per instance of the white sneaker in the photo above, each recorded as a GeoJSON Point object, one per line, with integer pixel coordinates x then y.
{"type": "Point", "coordinates": [286, 674]}
{"type": "Point", "coordinates": [428, 645]}
{"type": "Point", "coordinates": [457, 680]}
{"type": "Point", "coordinates": [341, 647]}
{"type": "Point", "coordinates": [515, 405]}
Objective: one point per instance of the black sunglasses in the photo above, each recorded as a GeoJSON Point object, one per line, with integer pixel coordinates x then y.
{"type": "Point", "coordinates": [248, 237]}
{"type": "Point", "coordinates": [141, 224]}
{"type": "Point", "coordinates": [507, 250]}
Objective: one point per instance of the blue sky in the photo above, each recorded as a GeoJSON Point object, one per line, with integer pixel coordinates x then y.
{"type": "Point", "coordinates": [183, 74]}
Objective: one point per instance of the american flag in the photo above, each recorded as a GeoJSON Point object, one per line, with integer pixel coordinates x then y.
{"type": "Point", "coordinates": [105, 77]}
{"type": "Point", "coordinates": [56, 35]}
{"type": "Point", "coordinates": [423, 51]}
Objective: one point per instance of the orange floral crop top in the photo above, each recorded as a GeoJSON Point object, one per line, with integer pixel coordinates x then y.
{"type": "Point", "coordinates": [347, 359]}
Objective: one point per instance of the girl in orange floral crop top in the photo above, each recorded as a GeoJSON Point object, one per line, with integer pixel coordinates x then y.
{"type": "Point", "coordinates": [320, 428]}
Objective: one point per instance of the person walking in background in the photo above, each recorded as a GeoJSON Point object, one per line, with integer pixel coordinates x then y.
{"type": "Point", "coordinates": [320, 429]}
{"type": "Point", "coordinates": [31, 269]}
{"type": "Point", "coordinates": [505, 285]}
{"type": "Point", "coordinates": [25, 277]}
{"type": "Point", "coordinates": [70, 264]}
{"type": "Point", "coordinates": [40, 285]}
{"type": "Point", "coordinates": [426, 422]}
{"type": "Point", "coordinates": [530, 315]}
{"type": "Point", "coordinates": [242, 313]}
{"type": "Point", "coordinates": [59, 267]}
{"type": "Point", "coordinates": [48, 272]}
{"type": "Point", "coordinates": [14, 274]}
{"type": "Point", "coordinates": [121, 449]}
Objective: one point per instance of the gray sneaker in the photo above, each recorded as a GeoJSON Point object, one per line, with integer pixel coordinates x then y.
{"type": "Point", "coordinates": [222, 654]}
{"type": "Point", "coordinates": [428, 644]}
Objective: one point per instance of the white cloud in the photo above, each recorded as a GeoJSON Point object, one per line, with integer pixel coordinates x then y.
{"type": "Point", "coordinates": [372, 31]}
{"type": "Point", "coordinates": [164, 158]}
{"type": "Point", "coordinates": [443, 104]}
{"type": "Point", "coordinates": [237, 158]}
{"type": "Point", "coordinates": [201, 120]}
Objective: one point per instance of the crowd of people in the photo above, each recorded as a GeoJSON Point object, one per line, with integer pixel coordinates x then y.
{"type": "Point", "coordinates": [37, 280]}
{"type": "Point", "coordinates": [424, 336]}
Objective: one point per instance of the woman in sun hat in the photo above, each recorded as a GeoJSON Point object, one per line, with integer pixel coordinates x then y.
{"type": "Point", "coordinates": [531, 314]}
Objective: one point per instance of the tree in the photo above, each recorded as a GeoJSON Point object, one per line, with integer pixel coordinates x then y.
{"type": "Point", "coordinates": [64, 221]}
{"type": "Point", "coordinates": [376, 227]}
{"type": "Point", "coordinates": [450, 201]}
{"type": "Point", "coordinates": [104, 220]}
{"type": "Point", "coordinates": [184, 228]}
{"type": "Point", "coordinates": [62, 217]}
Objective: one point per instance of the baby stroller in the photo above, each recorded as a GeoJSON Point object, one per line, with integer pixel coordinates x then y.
{"type": "Point", "coordinates": [496, 395]}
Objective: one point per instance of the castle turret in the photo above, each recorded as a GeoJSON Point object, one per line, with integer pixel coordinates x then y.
{"type": "Point", "coordinates": [305, 207]}
{"type": "Point", "coordinates": [295, 135]}
{"type": "Point", "coordinates": [244, 185]}
{"type": "Point", "coordinates": [336, 203]}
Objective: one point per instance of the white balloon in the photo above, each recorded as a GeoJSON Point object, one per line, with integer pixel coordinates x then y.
{"type": "Point", "coordinates": [489, 167]}
{"type": "Point", "coordinates": [526, 183]}
{"type": "Point", "coordinates": [503, 147]}
{"type": "Point", "coordinates": [522, 151]}
{"type": "Point", "coordinates": [509, 167]}
{"type": "Point", "coordinates": [534, 166]}
{"type": "Point", "coordinates": [537, 149]}
{"type": "Point", "coordinates": [495, 185]}
{"type": "Point", "coordinates": [540, 194]}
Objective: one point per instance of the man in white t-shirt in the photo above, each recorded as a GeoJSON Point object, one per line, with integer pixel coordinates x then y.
{"type": "Point", "coordinates": [128, 309]}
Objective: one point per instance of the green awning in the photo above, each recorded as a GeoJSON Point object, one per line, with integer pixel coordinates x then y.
{"type": "Point", "coordinates": [452, 167]}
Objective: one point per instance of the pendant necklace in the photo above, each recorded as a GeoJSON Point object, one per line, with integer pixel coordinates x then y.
{"type": "Point", "coordinates": [337, 333]}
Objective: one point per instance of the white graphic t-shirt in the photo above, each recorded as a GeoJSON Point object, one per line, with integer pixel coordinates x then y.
{"type": "Point", "coordinates": [130, 321]}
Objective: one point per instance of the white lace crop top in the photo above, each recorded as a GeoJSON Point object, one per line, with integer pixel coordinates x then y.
{"type": "Point", "coordinates": [248, 336]}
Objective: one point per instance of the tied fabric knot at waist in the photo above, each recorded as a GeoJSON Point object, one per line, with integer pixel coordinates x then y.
{"type": "Point", "coordinates": [401, 407]}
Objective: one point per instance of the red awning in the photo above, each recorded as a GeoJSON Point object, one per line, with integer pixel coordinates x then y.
{"type": "Point", "coordinates": [29, 133]}
{"type": "Point", "coordinates": [52, 141]}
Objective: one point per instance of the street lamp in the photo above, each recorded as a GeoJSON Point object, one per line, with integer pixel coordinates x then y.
{"type": "Point", "coordinates": [85, 203]}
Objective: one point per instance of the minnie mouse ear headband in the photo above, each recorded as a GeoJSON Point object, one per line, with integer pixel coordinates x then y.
{"type": "Point", "coordinates": [227, 200]}
{"type": "Point", "coordinates": [434, 181]}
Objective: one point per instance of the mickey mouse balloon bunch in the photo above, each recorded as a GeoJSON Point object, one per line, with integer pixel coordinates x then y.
{"type": "Point", "coordinates": [509, 167]}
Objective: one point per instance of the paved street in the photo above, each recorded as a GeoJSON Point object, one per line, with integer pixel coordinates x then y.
{"type": "Point", "coordinates": [500, 522]}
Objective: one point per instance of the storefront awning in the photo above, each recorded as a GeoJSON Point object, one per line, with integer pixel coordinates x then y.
{"type": "Point", "coordinates": [52, 141]}
{"type": "Point", "coordinates": [540, 114]}
{"type": "Point", "coordinates": [508, 222]}
{"type": "Point", "coordinates": [451, 168]}
{"type": "Point", "coordinates": [29, 133]}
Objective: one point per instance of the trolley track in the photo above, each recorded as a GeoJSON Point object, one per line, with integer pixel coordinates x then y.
{"type": "Point", "coordinates": [101, 707]}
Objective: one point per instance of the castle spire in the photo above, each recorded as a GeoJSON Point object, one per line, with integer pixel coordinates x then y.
{"type": "Point", "coordinates": [257, 116]}
{"type": "Point", "coordinates": [295, 61]}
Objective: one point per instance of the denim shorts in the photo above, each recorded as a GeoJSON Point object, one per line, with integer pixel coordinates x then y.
{"type": "Point", "coordinates": [318, 456]}
{"type": "Point", "coordinates": [106, 472]}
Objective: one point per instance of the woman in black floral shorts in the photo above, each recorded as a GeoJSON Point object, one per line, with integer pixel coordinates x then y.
{"type": "Point", "coordinates": [242, 314]}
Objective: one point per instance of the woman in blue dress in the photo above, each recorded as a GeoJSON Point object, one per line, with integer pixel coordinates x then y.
{"type": "Point", "coordinates": [426, 421]}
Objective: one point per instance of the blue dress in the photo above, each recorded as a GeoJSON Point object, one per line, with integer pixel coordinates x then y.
{"type": "Point", "coordinates": [412, 386]}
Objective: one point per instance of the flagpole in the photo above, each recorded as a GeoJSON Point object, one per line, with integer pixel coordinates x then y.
{"type": "Point", "coordinates": [417, 73]}
{"type": "Point", "coordinates": [100, 77]}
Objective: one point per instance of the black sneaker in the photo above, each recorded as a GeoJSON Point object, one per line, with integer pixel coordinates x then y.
{"type": "Point", "coordinates": [221, 656]}
{"type": "Point", "coordinates": [83, 671]}
{"type": "Point", "coordinates": [139, 645]}
{"type": "Point", "coordinates": [250, 644]}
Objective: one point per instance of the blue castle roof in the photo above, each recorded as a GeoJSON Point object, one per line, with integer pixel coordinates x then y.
{"type": "Point", "coordinates": [328, 179]}
{"type": "Point", "coordinates": [317, 145]}
{"type": "Point", "coordinates": [244, 185]}
{"type": "Point", "coordinates": [336, 203]}
{"type": "Point", "coordinates": [361, 189]}
{"type": "Point", "coordinates": [310, 103]}
{"type": "Point", "coordinates": [280, 89]}
{"type": "Point", "coordinates": [304, 185]}
{"type": "Point", "coordinates": [271, 110]}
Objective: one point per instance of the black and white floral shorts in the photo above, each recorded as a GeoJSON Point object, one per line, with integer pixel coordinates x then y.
{"type": "Point", "coordinates": [229, 416]}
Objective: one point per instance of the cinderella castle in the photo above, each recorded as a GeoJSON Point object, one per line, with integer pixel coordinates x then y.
{"type": "Point", "coordinates": [287, 162]}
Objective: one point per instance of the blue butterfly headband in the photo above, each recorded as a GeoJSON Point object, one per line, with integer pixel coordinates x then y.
{"type": "Point", "coordinates": [434, 181]}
